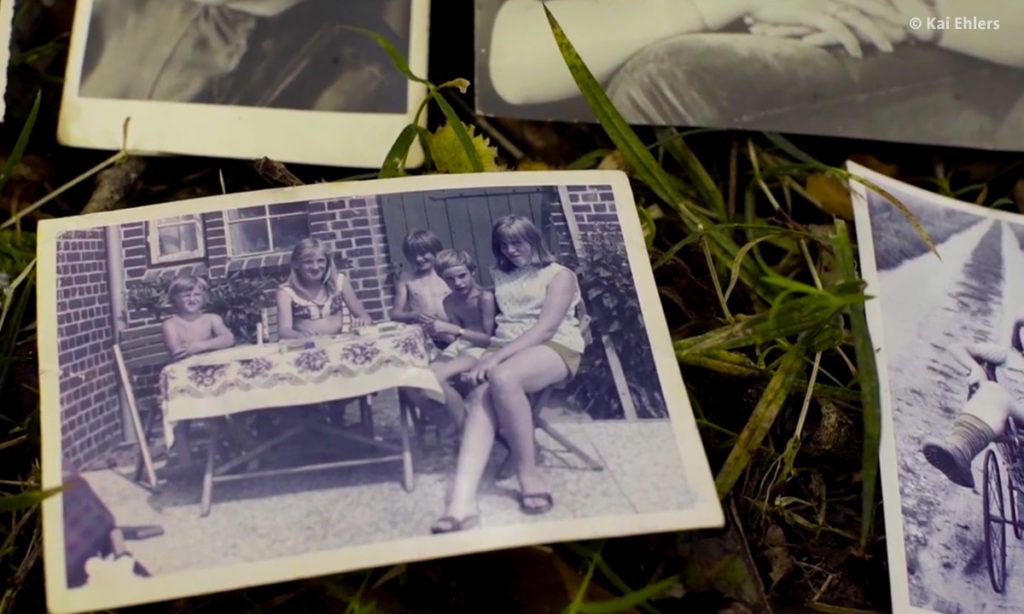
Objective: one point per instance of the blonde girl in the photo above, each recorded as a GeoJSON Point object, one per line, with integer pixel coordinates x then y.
{"type": "Point", "coordinates": [315, 298]}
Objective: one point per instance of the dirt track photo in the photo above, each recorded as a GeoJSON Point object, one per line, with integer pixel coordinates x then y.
{"type": "Point", "coordinates": [928, 305]}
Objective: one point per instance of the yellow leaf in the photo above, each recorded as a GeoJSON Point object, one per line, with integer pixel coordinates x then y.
{"type": "Point", "coordinates": [532, 165]}
{"type": "Point", "coordinates": [449, 156]}
{"type": "Point", "coordinates": [831, 193]}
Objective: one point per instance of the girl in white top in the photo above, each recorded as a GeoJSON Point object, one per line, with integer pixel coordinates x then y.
{"type": "Point", "coordinates": [537, 343]}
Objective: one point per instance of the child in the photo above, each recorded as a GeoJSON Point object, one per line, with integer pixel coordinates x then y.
{"type": "Point", "coordinates": [191, 331]}
{"type": "Point", "coordinates": [420, 294]}
{"type": "Point", "coordinates": [313, 299]}
{"type": "Point", "coordinates": [469, 314]}
{"type": "Point", "coordinates": [537, 342]}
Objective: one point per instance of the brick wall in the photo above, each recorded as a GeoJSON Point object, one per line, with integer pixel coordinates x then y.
{"type": "Point", "coordinates": [593, 208]}
{"type": "Point", "coordinates": [355, 229]}
{"type": "Point", "coordinates": [353, 226]}
{"type": "Point", "coordinates": [90, 409]}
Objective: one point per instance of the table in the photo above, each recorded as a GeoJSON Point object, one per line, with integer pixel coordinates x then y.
{"type": "Point", "coordinates": [291, 374]}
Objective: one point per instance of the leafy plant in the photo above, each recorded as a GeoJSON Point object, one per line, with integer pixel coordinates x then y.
{"type": "Point", "coordinates": [238, 299]}
{"type": "Point", "coordinates": [614, 309]}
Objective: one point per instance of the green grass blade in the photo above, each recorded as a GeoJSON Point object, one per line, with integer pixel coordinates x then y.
{"type": "Point", "coordinates": [763, 416]}
{"type": "Point", "coordinates": [795, 152]}
{"type": "Point", "coordinates": [460, 132]}
{"type": "Point", "coordinates": [574, 607]}
{"type": "Point", "coordinates": [394, 162]}
{"type": "Point", "coordinates": [396, 56]}
{"type": "Point", "coordinates": [20, 501]}
{"type": "Point", "coordinates": [19, 146]}
{"type": "Point", "coordinates": [434, 92]}
{"type": "Point", "coordinates": [630, 601]}
{"type": "Point", "coordinates": [645, 166]}
{"type": "Point", "coordinates": [706, 186]}
{"type": "Point", "coordinates": [794, 317]}
{"type": "Point", "coordinates": [869, 390]}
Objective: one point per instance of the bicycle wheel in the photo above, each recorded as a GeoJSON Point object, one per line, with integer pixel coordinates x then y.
{"type": "Point", "coordinates": [1016, 503]}
{"type": "Point", "coordinates": [994, 516]}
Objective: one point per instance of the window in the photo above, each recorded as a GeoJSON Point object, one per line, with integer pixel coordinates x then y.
{"type": "Point", "coordinates": [172, 239]}
{"type": "Point", "coordinates": [255, 230]}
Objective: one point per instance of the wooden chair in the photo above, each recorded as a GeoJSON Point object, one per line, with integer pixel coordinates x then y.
{"type": "Point", "coordinates": [139, 349]}
{"type": "Point", "coordinates": [541, 399]}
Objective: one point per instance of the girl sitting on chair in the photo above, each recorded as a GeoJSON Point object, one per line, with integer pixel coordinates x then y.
{"type": "Point", "coordinates": [537, 343]}
{"type": "Point", "coordinates": [313, 299]}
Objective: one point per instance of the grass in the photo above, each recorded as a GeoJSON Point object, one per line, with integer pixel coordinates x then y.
{"type": "Point", "coordinates": [758, 280]}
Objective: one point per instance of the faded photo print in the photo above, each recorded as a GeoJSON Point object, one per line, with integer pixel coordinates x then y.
{"type": "Point", "coordinates": [949, 327]}
{"type": "Point", "coordinates": [287, 54]}
{"type": "Point", "coordinates": [922, 71]}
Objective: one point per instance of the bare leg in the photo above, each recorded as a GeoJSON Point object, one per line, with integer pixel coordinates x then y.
{"type": "Point", "coordinates": [446, 370]}
{"type": "Point", "coordinates": [983, 419]}
{"type": "Point", "coordinates": [993, 405]}
{"type": "Point", "coordinates": [477, 441]}
{"type": "Point", "coordinates": [528, 371]}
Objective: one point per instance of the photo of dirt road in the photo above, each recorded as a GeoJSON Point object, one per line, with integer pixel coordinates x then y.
{"type": "Point", "coordinates": [971, 295]}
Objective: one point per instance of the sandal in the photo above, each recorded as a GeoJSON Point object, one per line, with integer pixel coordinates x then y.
{"type": "Point", "coordinates": [451, 524]}
{"type": "Point", "coordinates": [546, 503]}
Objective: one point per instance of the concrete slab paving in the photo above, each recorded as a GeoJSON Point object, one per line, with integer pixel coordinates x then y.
{"type": "Point", "coordinates": [270, 517]}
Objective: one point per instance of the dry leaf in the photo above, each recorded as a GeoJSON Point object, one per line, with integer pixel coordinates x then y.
{"type": "Point", "coordinates": [613, 162]}
{"type": "Point", "coordinates": [873, 163]}
{"type": "Point", "coordinates": [832, 194]}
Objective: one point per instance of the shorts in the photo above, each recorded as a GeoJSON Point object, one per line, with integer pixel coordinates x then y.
{"type": "Point", "coordinates": [571, 358]}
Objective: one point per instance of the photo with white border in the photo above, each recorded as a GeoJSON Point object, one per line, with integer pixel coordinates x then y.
{"type": "Point", "coordinates": [285, 79]}
{"type": "Point", "coordinates": [947, 329]}
{"type": "Point", "coordinates": [277, 354]}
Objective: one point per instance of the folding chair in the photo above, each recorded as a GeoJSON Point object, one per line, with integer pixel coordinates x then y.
{"type": "Point", "coordinates": [138, 349]}
{"type": "Point", "coordinates": [541, 399]}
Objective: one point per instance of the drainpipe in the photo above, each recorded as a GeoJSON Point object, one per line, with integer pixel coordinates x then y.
{"type": "Point", "coordinates": [115, 279]}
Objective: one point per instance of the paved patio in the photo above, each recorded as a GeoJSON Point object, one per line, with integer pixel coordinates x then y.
{"type": "Point", "coordinates": [263, 518]}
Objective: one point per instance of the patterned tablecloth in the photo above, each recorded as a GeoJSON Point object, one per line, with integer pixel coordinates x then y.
{"type": "Point", "coordinates": [294, 372]}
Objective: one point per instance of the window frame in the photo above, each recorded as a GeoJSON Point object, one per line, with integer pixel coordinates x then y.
{"type": "Point", "coordinates": [153, 239]}
{"type": "Point", "coordinates": [266, 217]}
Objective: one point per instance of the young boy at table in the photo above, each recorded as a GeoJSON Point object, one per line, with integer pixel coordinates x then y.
{"type": "Point", "coordinates": [189, 331]}
{"type": "Point", "coordinates": [469, 321]}
{"type": "Point", "coordinates": [420, 293]}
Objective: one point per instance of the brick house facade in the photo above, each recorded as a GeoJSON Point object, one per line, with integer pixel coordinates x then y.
{"type": "Point", "coordinates": [355, 227]}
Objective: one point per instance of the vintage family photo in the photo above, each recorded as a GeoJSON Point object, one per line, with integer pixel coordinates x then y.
{"type": "Point", "coordinates": [271, 385]}
{"type": "Point", "coordinates": [949, 328]}
{"type": "Point", "coordinates": [249, 68]}
{"type": "Point", "coordinates": [835, 67]}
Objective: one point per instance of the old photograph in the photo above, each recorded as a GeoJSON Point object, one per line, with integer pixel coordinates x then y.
{"type": "Point", "coordinates": [250, 68]}
{"type": "Point", "coordinates": [949, 330]}
{"type": "Point", "coordinates": [265, 386]}
{"type": "Point", "coordinates": [947, 72]}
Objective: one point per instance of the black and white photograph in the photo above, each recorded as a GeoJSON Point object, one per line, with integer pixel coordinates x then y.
{"type": "Point", "coordinates": [948, 327]}
{"type": "Point", "coordinates": [944, 72]}
{"type": "Point", "coordinates": [267, 76]}
{"type": "Point", "coordinates": [258, 387]}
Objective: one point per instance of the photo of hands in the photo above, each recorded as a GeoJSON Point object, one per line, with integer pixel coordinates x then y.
{"type": "Point", "coordinates": [945, 72]}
